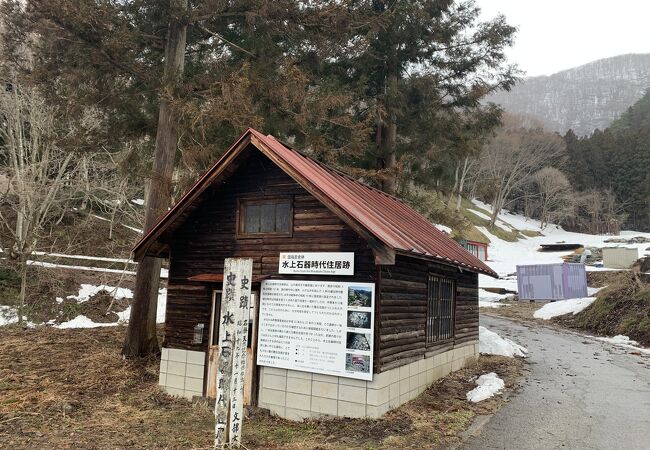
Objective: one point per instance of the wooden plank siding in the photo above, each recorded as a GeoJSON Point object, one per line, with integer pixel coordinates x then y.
{"type": "Point", "coordinates": [403, 311]}
{"type": "Point", "coordinates": [207, 237]}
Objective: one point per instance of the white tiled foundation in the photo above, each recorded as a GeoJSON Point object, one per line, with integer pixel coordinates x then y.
{"type": "Point", "coordinates": [298, 395]}
{"type": "Point", "coordinates": [181, 372]}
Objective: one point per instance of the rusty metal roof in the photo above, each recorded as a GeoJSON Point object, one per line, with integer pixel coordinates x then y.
{"type": "Point", "coordinates": [392, 222]}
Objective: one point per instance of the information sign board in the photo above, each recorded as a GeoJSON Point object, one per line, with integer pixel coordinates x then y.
{"type": "Point", "coordinates": [317, 326]}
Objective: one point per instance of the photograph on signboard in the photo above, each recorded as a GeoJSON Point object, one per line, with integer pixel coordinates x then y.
{"type": "Point", "coordinates": [358, 341]}
{"type": "Point", "coordinates": [289, 337]}
{"type": "Point", "coordinates": [359, 319]}
{"type": "Point", "coordinates": [357, 363]}
{"type": "Point", "coordinates": [359, 296]}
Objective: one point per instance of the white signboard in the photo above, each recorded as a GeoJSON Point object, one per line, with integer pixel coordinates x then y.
{"type": "Point", "coordinates": [332, 263]}
{"type": "Point", "coordinates": [317, 326]}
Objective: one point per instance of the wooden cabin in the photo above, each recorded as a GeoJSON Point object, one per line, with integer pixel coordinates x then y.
{"type": "Point", "coordinates": [387, 302]}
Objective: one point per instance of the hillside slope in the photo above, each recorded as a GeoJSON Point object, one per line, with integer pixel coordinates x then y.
{"type": "Point", "coordinates": [584, 98]}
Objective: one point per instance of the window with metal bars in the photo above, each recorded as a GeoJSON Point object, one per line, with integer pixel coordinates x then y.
{"type": "Point", "coordinates": [441, 298]}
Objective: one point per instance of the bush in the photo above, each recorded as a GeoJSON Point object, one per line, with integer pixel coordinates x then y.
{"type": "Point", "coordinates": [621, 308]}
{"type": "Point", "coordinates": [9, 286]}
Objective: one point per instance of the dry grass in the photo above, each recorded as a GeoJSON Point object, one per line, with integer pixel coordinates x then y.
{"type": "Point", "coordinates": [623, 307]}
{"type": "Point", "coordinates": [515, 310]}
{"type": "Point", "coordinates": [71, 389]}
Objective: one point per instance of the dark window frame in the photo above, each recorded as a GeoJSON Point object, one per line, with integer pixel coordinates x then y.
{"type": "Point", "coordinates": [441, 309]}
{"type": "Point", "coordinates": [243, 203]}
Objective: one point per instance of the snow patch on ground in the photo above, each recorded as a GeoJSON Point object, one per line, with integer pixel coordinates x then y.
{"type": "Point", "coordinates": [487, 296]}
{"type": "Point", "coordinates": [137, 230]}
{"type": "Point", "coordinates": [487, 304]}
{"type": "Point", "coordinates": [487, 386]}
{"type": "Point", "coordinates": [624, 341]}
{"type": "Point", "coordinates": [8, 315]}
{"type": "Point", "coordinates": [164, 273]}
{"type": "Point", "coordinates": [82, 321]}
{"type": "Point", "coordinates": [160, 311]}
{"type": "Point", "coordinates": [480, 214]}
{"type": "Point", "coordinates": [491, 343]}
{"type": "Point", "coordinates": [84, 257]}
{"type": "Point", "coordinates": [70, 267]}
{"type": "Point", "coordinates": [562, 307]}
{"type": "Point", "coordinates": [591, 291]}
{"type": "Point", "coordinates": [88, 290]}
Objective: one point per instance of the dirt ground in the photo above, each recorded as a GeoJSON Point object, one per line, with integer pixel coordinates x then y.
{"type": "Point", "coordinates": [71, 389]}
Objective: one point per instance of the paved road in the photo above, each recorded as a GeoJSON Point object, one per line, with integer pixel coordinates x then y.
{"type": "Point", "coordinates": [580, 394]}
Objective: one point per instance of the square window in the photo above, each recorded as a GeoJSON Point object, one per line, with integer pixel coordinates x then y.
{"type": "Point", "coordinates": [265, 216]}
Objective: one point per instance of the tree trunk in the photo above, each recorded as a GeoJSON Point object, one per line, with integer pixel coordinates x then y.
{"type": "Point", "coordinates": [461, 186]}
{"type": "Point", "coordinates": [496, 209]}
{"type": "Point", "coordinates": [387, 142]}
{"type": "Point", "coordinates": [389, 184]}
{"type": "Point", "coordinates": [141, 337]}
{"type": "Point", "coordinates": [23, 287]}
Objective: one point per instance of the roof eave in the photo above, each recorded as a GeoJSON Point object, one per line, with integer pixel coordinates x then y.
{"type": "Point", "coordinates": [448, 262]}
{"type": "Point", "coordinates": [140, 248]}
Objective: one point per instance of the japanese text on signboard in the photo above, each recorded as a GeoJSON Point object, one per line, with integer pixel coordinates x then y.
{"type": "Point", "coordinates": [333, 263]}
{"type": "Point", "coordinates": [321, 327]}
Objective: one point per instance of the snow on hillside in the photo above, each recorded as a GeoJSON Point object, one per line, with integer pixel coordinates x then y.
{"type": "Point", "coordinates": [505, 256]}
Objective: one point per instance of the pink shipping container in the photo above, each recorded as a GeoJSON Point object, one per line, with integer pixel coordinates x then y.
{"type": "Point", "coordinates": [549, 282]}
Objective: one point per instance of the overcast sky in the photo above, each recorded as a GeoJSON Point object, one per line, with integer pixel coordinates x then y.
{"type": "Point", "coordinates": [559, 34]}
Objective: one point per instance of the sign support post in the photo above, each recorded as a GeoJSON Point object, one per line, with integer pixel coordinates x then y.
{"type": "Point", "coordinates": [233, 340]}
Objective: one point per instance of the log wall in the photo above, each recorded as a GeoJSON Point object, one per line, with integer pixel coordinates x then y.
{"type": "Point", "coordinates": [403, 311]}
{"type": "Point", "coordinates": [208, 236]}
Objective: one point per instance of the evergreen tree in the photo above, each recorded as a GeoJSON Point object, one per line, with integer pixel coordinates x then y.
{"type": "Point", "coordinates": [204, 71]}
{"type": "Point", "coordinates": [420, 72]}
{"type": "Point", "coordinates": [617, 159]}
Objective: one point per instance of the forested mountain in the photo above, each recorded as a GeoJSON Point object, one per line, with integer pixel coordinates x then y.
{"type": "Point", "coordinates": [582, 99]}
{"type": "Point", "coordinates": [617, 159]}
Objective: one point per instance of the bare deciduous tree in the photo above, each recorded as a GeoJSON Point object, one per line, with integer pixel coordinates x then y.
{"type": "Point", "coordinates": [509, 160]}
{"type": "Point", "coordinates": [553, 193]}
{"type": "Point", "coordinates": [41, 176]}
{"type": "Point", "coordinates": [600, 212]}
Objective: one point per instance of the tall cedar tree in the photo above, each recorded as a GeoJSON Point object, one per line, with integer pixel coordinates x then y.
{"type": "Point", "coordinates": [375, 84]}
{"type": "Point", "coordinates": [245, 63]}
{"type": "Point", "coordinates": [421, 73]}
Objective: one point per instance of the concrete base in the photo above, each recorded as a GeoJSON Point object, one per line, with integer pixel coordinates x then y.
{"type": "Point", "coordinates": [181, 372]}
{"type": "Point", "coordinates": [298, 395]}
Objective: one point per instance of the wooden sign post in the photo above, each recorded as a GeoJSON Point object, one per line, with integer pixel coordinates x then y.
{"type": "Point", "coordinates": [233, 340]}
